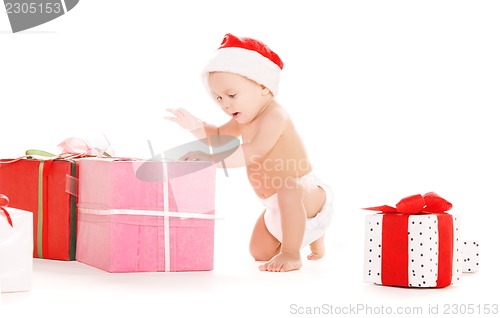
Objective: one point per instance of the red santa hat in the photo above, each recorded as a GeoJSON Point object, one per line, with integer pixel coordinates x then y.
{"type": "Point", "coordinates": [247, 57]}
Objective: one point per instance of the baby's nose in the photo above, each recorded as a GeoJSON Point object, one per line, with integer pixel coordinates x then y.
{"type": "Point", "coordinates": [225, 104]}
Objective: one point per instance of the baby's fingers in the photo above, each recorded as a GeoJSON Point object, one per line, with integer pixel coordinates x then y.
{"type": "Point", "coordinates": [184, 112]}
{"type": "Point", "coordinates": [174, 119]}
{"type": "Point", "coordinates": [174, 112]}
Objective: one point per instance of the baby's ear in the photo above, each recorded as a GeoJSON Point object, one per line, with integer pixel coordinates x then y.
{"type": "Point", "coordinates": [264, 90]}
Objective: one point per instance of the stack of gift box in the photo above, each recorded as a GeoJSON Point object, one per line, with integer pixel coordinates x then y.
{"type": "Point", "coordinates": [129, 215]}
{"type": "Point", "coordinates": [118, 215]}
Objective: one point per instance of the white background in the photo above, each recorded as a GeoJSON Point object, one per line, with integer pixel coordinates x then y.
{"type": "Point", "coordinates": [392, 98]}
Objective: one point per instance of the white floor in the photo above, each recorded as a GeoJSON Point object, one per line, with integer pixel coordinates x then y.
{"type": "Point", "coordinates": [236, 287]}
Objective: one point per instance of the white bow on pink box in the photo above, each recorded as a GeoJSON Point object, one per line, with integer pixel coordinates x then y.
{"type": "Point", "coordinates": [81, 148]}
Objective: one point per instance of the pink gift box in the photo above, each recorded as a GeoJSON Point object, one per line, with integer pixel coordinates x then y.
{"type": "Point", "coordinates": [122, 223]}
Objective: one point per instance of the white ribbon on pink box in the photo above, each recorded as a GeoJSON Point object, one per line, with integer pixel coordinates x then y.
{"type": "Point", "coordinates": [118, 187]}
{"type": "Point", "coordinates": [167, 214]}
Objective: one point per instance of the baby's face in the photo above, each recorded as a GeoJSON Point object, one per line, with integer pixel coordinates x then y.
{"type": "Point", "coordinates": [238, 96]}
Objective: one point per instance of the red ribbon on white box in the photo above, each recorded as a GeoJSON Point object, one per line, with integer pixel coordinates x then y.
{"type": "Point", "coordinates": [396, 248]}
{"type": "Point", "coordinates": [4, 202]}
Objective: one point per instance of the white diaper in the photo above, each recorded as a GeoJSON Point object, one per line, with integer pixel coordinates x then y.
{"type": "Point", "coordinates": [315, 227]}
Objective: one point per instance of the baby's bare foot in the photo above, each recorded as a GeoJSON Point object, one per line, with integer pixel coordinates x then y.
{"type": "Point", "coordinates": [283, 262]}
{"type": "Point", "coordinates": [317, 249]}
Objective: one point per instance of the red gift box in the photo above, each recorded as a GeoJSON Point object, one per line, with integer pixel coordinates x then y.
{"type": "Point", "coordinates": [47, 188]}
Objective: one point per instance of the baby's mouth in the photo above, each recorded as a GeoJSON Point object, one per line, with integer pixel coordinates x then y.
{"type": "Point", "coordinates": [235, 115]}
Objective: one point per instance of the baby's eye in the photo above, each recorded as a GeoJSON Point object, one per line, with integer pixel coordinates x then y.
{"type": "Point", "coordinates": [231, 95]}
{"type": "Point", "coordinates": [218, 98]}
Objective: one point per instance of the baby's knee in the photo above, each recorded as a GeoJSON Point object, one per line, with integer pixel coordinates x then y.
{"type": "Point", "coordinates": [262, 254]}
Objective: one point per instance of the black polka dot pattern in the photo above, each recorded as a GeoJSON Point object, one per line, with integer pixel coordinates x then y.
{"type": "Point", "coordinates": [457, 252]}
{"type": "Point", "coordinates": [423, 250]}
{"type": "Point", "coordinates": [470, 256]}
{"type": "Point", "coordinates": [373, 249]}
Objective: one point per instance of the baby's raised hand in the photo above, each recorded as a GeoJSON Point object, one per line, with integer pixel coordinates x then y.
{"type": "Point", "coordinates": [184, 119]}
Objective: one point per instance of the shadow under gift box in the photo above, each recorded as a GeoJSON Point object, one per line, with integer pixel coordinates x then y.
{"type": "Point", "coordinates": [124, 227]}
{"type": "Point", "coordinates": [46, 188]}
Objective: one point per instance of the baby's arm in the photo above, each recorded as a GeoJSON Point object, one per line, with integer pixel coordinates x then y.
{"type": "Point", "coordinates": [201, 129]}
{"type": "Point", "coordinates": [189, 122]}
{"type": "Point", "coordinates": [267, 134]}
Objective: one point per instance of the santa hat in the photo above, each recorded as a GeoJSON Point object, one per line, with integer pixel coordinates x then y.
{"type": "Point", "coordinates": [247, 57]}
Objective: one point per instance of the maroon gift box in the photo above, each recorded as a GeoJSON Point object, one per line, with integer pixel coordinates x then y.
{"type": "Point", "coordinates": [47, 188]}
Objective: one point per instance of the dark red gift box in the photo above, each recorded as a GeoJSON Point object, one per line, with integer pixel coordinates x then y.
{"type": "Point", "coordinates": [47, 188]}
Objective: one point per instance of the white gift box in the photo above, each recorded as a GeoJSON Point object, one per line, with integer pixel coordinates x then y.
{"type": "Point", "coordinates": [470, 256]}
{"type": "Point", "coordinates": [16, 251]}
{"type": "Point", "coordinates": [420, 260]}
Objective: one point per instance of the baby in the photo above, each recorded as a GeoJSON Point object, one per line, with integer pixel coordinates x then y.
{"type": "Point", "coordinates": [243, 78]}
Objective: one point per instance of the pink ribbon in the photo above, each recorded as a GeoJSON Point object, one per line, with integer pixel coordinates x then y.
{"type": "Point", "coordinates": [71, 148]}
{"type": "Point", "coordinates": [4, 202]}
{"type": "Point", "coordinates": [75, 147]}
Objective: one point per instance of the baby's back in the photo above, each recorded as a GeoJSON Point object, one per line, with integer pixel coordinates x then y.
{"type": "Point", "coordinates": [286, 159]}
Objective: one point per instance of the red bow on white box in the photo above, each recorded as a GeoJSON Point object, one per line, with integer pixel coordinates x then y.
{"type": "Point", "coordinates": [416, 204]}
{"type": "Point", "coordinates": [4, 201]}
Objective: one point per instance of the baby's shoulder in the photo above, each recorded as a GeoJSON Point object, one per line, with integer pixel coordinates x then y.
{"type": "Point", "coordinates": [275, 114]}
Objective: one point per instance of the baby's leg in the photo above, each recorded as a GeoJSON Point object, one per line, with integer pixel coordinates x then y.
{"type": "Point", "coordinates": [317, 249]}
{"type": "Point", "coordinates": [293, 224]}
{"type": "Point", "coordinates": [263, 245]}
{"type": "Point", "coordinates": [314, 199]}
{"type": "Point", "coordinates": [298, 202]}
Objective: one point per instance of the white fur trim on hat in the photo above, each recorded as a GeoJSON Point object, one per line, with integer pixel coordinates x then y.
{"type": "Point", "coordinates": [247, 63]}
